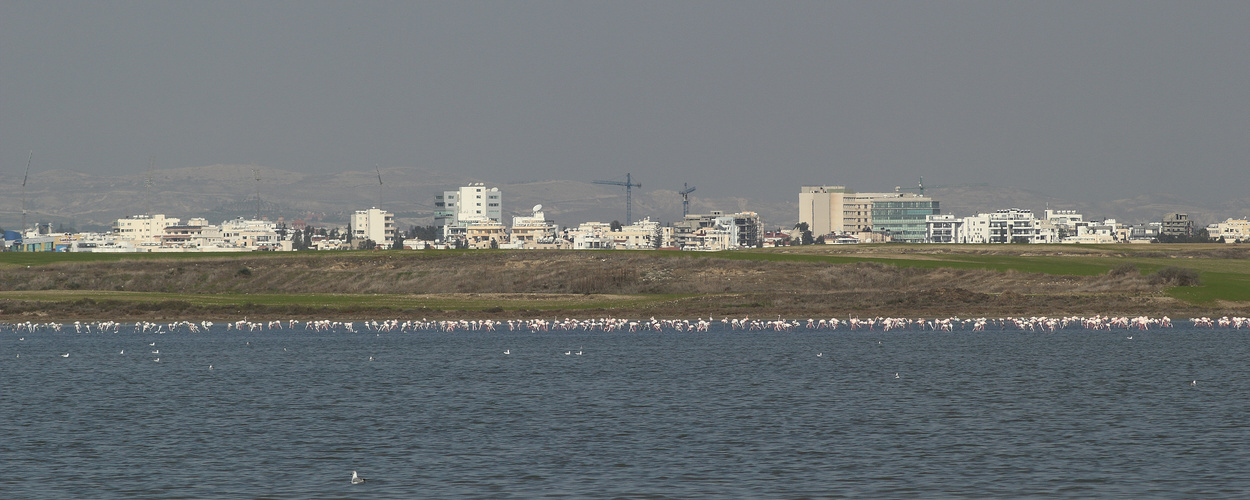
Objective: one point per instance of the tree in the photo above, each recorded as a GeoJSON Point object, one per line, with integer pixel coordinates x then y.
{"type": "Point", "coordinates": [615, 225]}
{"type": "Point", "coordinates": [494, 244]}
{"type": "Point", "coordinates": [805, 234]}
{"type": "Point", "coordinates": [399, 241]}
{"type": "Point", "coordinates": [368, 244]}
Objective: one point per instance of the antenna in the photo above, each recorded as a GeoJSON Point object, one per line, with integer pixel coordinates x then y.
{"type": "Point", "coordinates": [629, 202]}
{"type": "Point", "coordinates": [378, 167]}
{"type": "Point", "coordinates": [685, 199]}
{"type": "Point", "coordinates": [147, 187]}
{"type": "Point", "coordinates": [256, 172]}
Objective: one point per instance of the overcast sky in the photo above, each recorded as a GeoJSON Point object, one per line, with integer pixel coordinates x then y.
{"type": "Point", "coordinates": [1097, 99]}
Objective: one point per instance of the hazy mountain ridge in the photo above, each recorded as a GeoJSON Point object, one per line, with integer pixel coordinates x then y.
{"type": "Point", "coordinates": [88, 201]}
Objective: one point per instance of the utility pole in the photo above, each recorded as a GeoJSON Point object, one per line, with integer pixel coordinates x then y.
{"type": "Point", "coordinates": [256, 172]}
{"type": "Point", "coordinates": [24, 177]}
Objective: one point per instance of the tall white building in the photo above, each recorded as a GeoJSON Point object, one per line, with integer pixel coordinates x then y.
{"type": "Point", "coordinates": [373, 224]}
{"type": "Point", "coordinates": [473, 204]}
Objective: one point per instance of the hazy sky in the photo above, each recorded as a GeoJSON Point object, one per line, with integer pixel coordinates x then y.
{"type": "Point", "coordinates": [1097, 99]}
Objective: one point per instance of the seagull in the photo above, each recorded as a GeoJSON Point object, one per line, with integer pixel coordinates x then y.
{"type": "Point", "coordinates": [1193, 383]}
{"type": "Point", "coordinates": [370, 358]}
{"type": "Point", "coordinates": [356, 479]}
{"type": "Point", "coordinates": [820, 354]}
{"type": "Point", "coordinates": [66, 355]}
{"type": "Point", "coordinates": [579, 353]}
{"type": "Point", "coordinates": [210, 367]}
{"type": "Point", "coordinates": [509, 351]}
{"type": "Point", "coordinates": [122, 352]}
{"type": "Point", "coordinates": [158, 351]}
{"type": "Point", "coordinates": [1130, 337]}
{"type": "Point", "coordinates": [153, 344]}
{"type": "Point", "coordinates": [566, 353]}
{"type": "Point", "coordinates": [23, 338]}
{"type": "Point", "coordinates": [158, 360]}
{"type": "Point", "coordinates": [896, 375]}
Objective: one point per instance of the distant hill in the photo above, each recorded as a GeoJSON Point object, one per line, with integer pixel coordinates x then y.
{"type": "Point", "coordinates": [218, 192]}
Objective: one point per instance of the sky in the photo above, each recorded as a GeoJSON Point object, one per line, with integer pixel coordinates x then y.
{"type": "Point", "coordinates": [1083, 100]}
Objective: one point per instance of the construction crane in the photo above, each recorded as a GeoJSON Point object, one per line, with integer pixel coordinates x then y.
{"type": "Point", "coordinates": [919, 187]}
{"type": "Point", "coordinates": [685, 199]}
{"type": "Point", "coordinates": [24, 177]}
{"type": "Point", "coordinates": [256, 172]}
{"type": "Point", "coordinates": [629, 202]}
{"type": "Point", "coordinates": [147, 187]}
{"type": "Point", "coordinates": [378, 167]}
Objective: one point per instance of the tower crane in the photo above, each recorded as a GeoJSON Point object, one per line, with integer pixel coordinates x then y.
{"type": "Point", "coordinates": [629, 202]}
{"type": "Point", "coordinates": [685, 199]}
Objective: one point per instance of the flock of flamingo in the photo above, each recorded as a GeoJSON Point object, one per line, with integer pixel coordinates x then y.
{"type": "Point", "coordinates": [1030, 324]}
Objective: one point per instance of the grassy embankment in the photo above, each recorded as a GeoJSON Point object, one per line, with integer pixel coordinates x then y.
{"type": "Point", "coordinates": [825, 280]}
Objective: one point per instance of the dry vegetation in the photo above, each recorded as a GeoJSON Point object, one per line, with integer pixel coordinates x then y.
{"type": "Point", "coordinates": [690, 285]}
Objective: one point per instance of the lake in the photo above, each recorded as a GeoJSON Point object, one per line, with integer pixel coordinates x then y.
{"type": "Point", "coordinates": [291, 413]}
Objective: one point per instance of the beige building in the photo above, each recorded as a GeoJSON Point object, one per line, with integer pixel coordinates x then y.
{"type": "Point", "coordinates": [1232, 230]}
{"type": "Point", "coordinates": [373, 224]}
{"type": "Point", "coordinates": [480, 235]}
{"type": "Point", "coordinates": [836, 209]}
{"type": "Point", "coordinates": [142, 230]}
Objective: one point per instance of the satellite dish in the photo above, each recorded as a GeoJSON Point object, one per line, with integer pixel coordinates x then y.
{"type": "Point", "coordinates": [538, 207]}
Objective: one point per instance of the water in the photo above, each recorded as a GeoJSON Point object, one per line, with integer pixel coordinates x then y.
{"type": "Point", "coordinates": [721, 414]}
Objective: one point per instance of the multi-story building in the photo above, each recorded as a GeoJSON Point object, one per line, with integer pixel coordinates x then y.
{"type": "Point", "coordinates": [1177, 225]}
{"type": "Point", "coordinates": [942, 228]}
{"type": "Point", "coordinates": [534, 231]}
{"type": "Point", "coordinates": [903, 216]}
{"type": "Point", "coordinates": [1231, 230]}
{"type": "Point", "coordinates": [645, 234]}
{"type": "Point", "coordinates": [717, 231]}
{"type": "Point", "coordinates": [373, 224]}
{"type": "Point", "coordinates": [142, 230]}
{"type": "Point", "coordinates": [252, 235]}
{"type": "Point", "coordinates": [836, 209]}
{"type": "Point", "coordinates": [455, 210]}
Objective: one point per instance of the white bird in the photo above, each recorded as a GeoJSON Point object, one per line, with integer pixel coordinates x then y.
{"type": "Point", "coordinates": [509, 351]}
{"type": "Point", "coordinates": [579, 353]}
{"type": "Point", "coordinates": [356, 479]}
{"type": "Point", "coordinates": [210, 367]}
{"type": "Point", "coordinates": [896, 375]}
{"type": "Point", "coordinates": [153, 344]}
{"type": "Point", "coordinates": [1130, 337]}
{"type": "Point", "coordinates": [158, 360]}
{"type": "Point", "coordinates": [566, 353]}
{"type": "Point", "coordinates": [370, 358]}
{"type": "Point", "coordinates": [23, 338]}
{"type": "Point", "coordinates": [158, 351]}
{"type": "Point", "coordinates": [1193, 383]}
{"type": "Point", "coordinates": [122, 352]}
{"type": "Point", "coordinates": [820, 354]}
{"type": "Point", "coordinates": [66, 355]}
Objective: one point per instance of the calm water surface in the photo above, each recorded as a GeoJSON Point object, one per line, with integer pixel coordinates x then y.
{"type": "Point", "coordinates": [721, 414]}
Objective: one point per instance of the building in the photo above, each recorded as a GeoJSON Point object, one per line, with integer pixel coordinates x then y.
{"type": "Point", "coordinates": [534, 231]}
{"type": "Point", "coordinates": [717, 231]}
{"type": "Point", "coordinates": [455, 210]}
{"type": "Point", "coordinates": [373, 224]}
{"type": "Point", "coordinates": [252, 235]}
{"type": "Point", "coordinates": [1231, 231]}
{"type": "Point", "coordinates": [645, 234]}
{"type": "Point", "coordinates": [943, 228]}
{"type": "Point", "coordinates": [836, 209]}
{"type": "Point", "coordinates": [903, 216]}
{"type": "Point", "coordinates": [1177, 225]}
{"type": "Point", "coordinates": [143, 230]}
{"type": "Point", "coordinates": [1066, 221]}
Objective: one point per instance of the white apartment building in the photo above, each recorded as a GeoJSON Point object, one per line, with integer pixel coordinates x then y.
{"type": "Point", "coordinates": [252, 235]}
{"type": "Point", "coordinates": [942, 228]}
{"type": "Point", "coordinates": [472, 204]}
{"type": "Point", "coordinates": [590, 236]}
{"type": "Point", "coordinates": [373, 224]}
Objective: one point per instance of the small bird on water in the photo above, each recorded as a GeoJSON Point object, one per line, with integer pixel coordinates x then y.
{"type": "Point", "coordinates": [896, 375]}
{"type": "Point", "coordinates": [356, 479]}
{"type": "Point", "coordinates": [1193, 383]}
